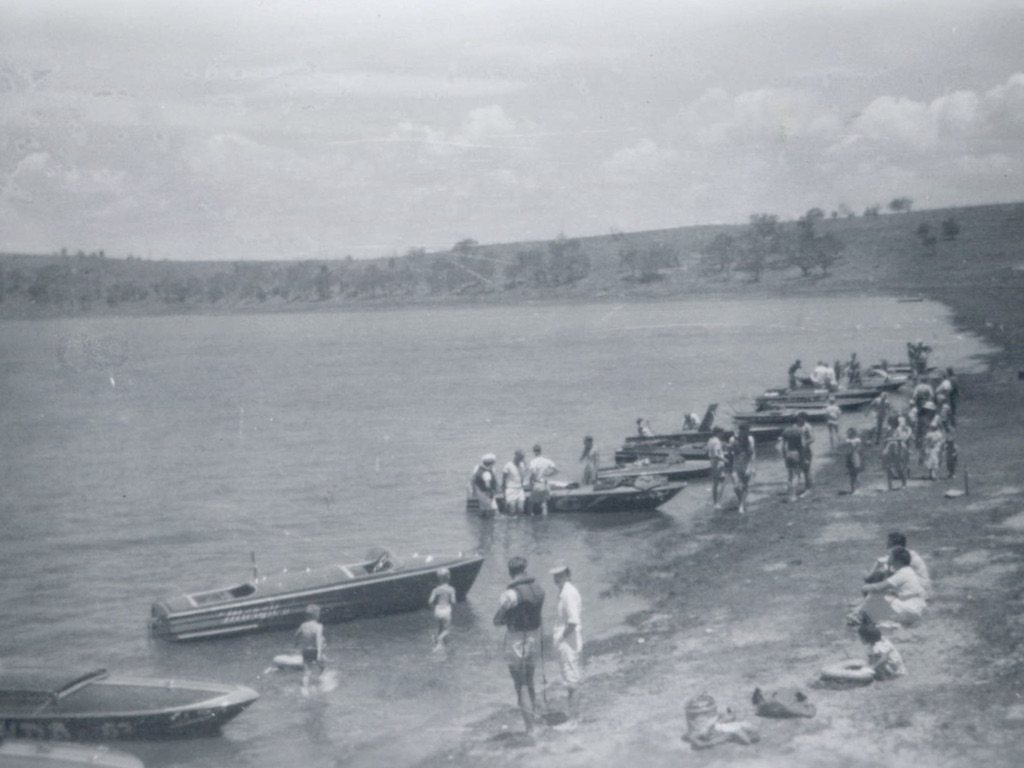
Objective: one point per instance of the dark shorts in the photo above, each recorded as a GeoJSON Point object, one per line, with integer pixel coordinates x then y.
{"type": "Point", "coordinates": [308, 655]}
{"type": "Point", "coordinates": [522, 674]}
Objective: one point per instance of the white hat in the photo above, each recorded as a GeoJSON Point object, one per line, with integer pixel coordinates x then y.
{"type": "Point", "coordinates": [559, 569]}
{"type": "Point", "coordinates": [488, 458]}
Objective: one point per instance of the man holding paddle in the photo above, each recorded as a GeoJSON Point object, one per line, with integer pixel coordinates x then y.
{"type": "Point", "coordinates": [567, 637]}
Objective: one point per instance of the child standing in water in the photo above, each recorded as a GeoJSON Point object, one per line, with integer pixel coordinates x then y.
{"type": "Point", "coordinates": [854, 460]}
{"type": "Point", "coordinates": [309, 637]}
{"type": "Point", "coordinates": [442, 598]}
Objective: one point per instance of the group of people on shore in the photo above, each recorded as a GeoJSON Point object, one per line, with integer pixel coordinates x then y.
{"type": "Point", "coordinates": [895, 594]}
{"type": "Point", "coordinates": [927, 424]}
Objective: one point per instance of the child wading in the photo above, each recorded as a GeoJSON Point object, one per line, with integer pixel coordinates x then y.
{"type": "Point", "coordinates": [309, 637]}
{"type": "Point", "coordinates": [441, 599]}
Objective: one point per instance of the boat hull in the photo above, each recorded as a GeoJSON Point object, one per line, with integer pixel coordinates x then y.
{"type": "Point", "coordinates": [782, 416]}
{"type": "Point", "coordinates": [114, 707]}
{"type": "Point", "coordinates": [679, 472]}
{"type": "Point", "coordinates": [621, 499]}
{"type": "Point", "coordinates": [46, 754]}
{"type": "Point", "coordinates": [406, 588]}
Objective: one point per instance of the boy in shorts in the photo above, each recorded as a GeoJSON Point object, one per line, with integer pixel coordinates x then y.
{"type": "Point", "coordinates": [309, 637]}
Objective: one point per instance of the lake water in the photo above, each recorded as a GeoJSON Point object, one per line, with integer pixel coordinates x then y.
{"type": "Point", "coordinates": [146, 456]}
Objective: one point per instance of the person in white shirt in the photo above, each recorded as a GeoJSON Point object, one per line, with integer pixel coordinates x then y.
{"type": "Point", "coordinates": [568, 635]}
{"type": "Point", "coordinates": [513, 483]}
{"type": "Point", "coordinates": [542, 469]}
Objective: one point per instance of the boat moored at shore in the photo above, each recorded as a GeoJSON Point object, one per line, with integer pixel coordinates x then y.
{"type": "Point", "coordinates": [379, 585]}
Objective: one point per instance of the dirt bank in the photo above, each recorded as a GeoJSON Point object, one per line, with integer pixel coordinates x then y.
{"type": "Point", "coordinates": [760, 600]}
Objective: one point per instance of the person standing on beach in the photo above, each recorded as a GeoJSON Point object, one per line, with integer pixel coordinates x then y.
{"type": "Point", "coordinates": [934, 439]}
{"type": "Point", "coordinates": [806, 454]}
{"type": "Point", "coordinates": [542, 469]}
{"type": "Point", "coordinates": [947, 391]}
{"type": "Point", "coordinates": [883, 409]}
{"type": "Point", "coordinates": [520, 610]}
{"type": "Point", "coordinates": [309, 638]}
{"type": "Point", "coordinates": [716, 455]}
{"type": "Point", "coordinates": [791, 444]}
{"type": "Point", "coordinates": [743, 468]}
{"type": "Point", "coordinates": [590, 459]}
{"type": "Point", "coordinates": [513, 483]}
{"type": "Point", "coordinates": [832, 412]}
{"type": "Point", "coordinates": [853, 457]}
{"type": "Point", "coordinates": [442, 599]}
{"type": "Point", "coordinates": [568, 635]}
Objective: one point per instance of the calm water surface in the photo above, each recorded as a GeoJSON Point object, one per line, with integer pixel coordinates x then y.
{"type": "Point", "coordinates": [146, 456]}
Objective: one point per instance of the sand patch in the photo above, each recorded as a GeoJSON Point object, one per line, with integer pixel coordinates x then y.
{"type": "Point", "coordinates": [835, 533]}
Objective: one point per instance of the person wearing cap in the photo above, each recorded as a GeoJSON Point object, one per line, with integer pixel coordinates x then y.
{"type": "Point", "coordinates": [309, 638]}
{"type": "Point", "coordinates": [520, 611]}
{"type": "Point", "coordinates": [485, 485]}
{"type": "Point", "coordinates": [590, 459]}
{"type": "Point", "coordinates": [542, 469]}
{"type": "Point", "coordinates": [442, 599]}
{"type": "Point", "coordinates": [568, 635]}
{"type": "Point", "coordinates": [513, 483]}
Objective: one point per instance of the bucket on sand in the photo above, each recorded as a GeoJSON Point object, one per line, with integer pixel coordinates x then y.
{"type": "Point", "coordinates": [701, 715]}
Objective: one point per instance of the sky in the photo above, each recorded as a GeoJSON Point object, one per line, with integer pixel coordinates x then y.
{"type": "Point", "coordinates": [318, 129]}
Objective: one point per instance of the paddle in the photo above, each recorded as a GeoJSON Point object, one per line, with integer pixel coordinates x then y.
{"type": "Point", "coordinates": [549, 717]}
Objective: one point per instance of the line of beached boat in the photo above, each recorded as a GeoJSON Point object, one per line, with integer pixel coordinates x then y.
{"type": "Point", "coordinates": [651, 469]}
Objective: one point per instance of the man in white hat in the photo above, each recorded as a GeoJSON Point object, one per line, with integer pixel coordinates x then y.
{"type": "Point", "coordinates": [485, 485]}
{"type": "Point", "coordinates": [568, 635]}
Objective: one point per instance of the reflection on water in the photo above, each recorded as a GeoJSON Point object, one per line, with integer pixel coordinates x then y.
{"type": "Point", "coordinates": [310, 438]}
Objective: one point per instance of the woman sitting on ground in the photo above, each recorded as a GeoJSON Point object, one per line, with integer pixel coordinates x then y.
{"type": "Point", "coordinates": [899, 598]}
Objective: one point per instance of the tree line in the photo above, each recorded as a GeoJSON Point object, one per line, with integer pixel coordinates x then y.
{"type": "Point", "coordinates": [84, 280]}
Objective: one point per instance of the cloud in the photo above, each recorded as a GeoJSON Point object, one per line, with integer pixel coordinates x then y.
{"type": "Point", "coordinates": [640, 161]}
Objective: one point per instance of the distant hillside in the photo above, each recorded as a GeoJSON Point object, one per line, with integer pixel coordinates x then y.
{"type": "Point", "coordinates": [898, 253]}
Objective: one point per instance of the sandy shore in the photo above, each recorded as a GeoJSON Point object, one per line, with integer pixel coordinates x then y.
{"type": "Point", "coordinates": [760, 600]}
